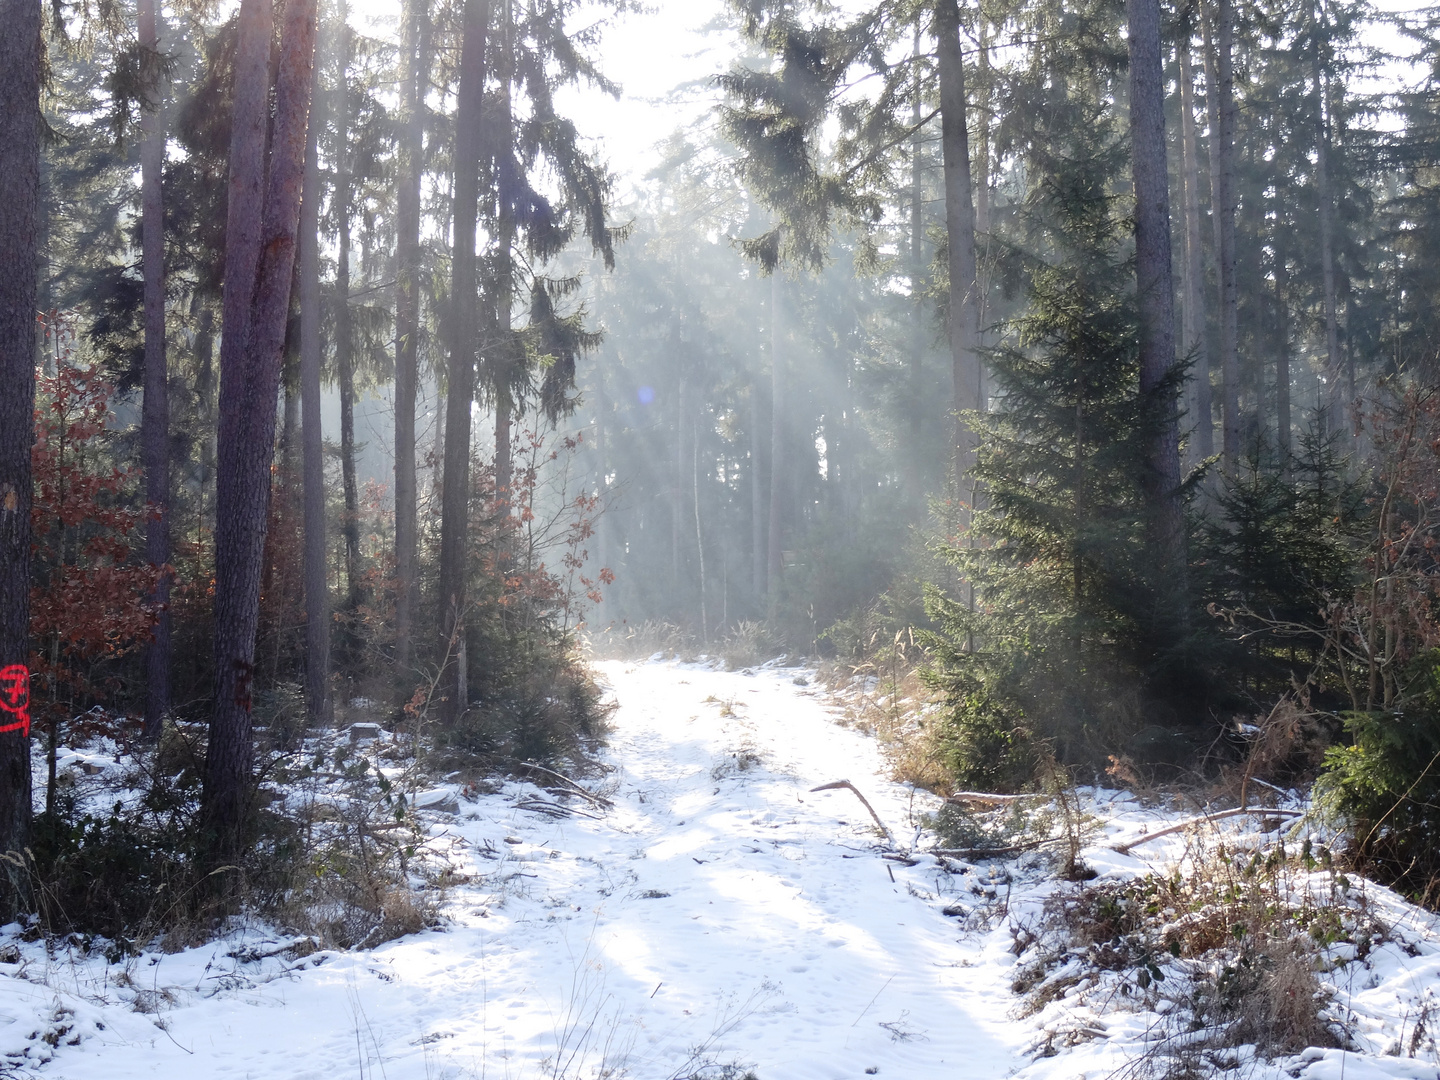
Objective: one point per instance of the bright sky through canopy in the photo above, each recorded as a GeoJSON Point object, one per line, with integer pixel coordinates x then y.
{"type": "Point", "coordinates": [663, 61]}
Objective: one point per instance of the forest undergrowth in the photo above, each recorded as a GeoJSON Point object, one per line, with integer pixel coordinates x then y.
{"type": "Point", "coordinates": [333, 848]}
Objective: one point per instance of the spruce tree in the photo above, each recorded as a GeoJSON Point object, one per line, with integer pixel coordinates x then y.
{"type": "Point", "coordinates": [1063, 623]}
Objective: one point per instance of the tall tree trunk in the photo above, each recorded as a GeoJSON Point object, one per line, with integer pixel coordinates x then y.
{"type": "Point", "coordinates": [1155, 286]}
{"type": "Point", "coordinates": [758, 488]}
{"type": "Point", "coordinates": [203, 352]}
{"type": "Point", "coordinates": [280, 581]}
{"type": "Point", "coordinates": [260, 255]}
{"type": "Point", "coordinates": [317, 589]}
{"type": "Point", "coordinates": [503, 367]}
{"type": "Point", "coordinates": [155, 416]}
{"type": "Point", "coordinates": [982, 149]}
{"type": "Point", "coordinates": [964, 321]}
{"type": "Point", "coordinates": [983, 262]}
{"type": "Point", "coordinates": [344, 325]}
{"type": "Point", "coordinates": [460, 386]}
{"type": "Point", "coordinates": [1282, 350]}
{"type": "Point", "coordinates": [773, 556]}
{"type": "Point", "coordinates": [414, 76]}
{"type": "Point", "coordinates": [1334, 370]}
{"type": "Point", "coordinates": [912, 458]}
{"type": "Point", "coordinates": [677, 504]}
{"type": "Point", "coordinates": [1195, 343]}
{"type": "Point", "coordinates": [602, 484]}
{"type": "Point", "coordinates": [504, 448]}
{"type": "Point", "coordinates": [19, 229]}
{"type": "Point", "coordinates": [699, 531]}
{"type": "Point", "coordinates": [1220, 101]}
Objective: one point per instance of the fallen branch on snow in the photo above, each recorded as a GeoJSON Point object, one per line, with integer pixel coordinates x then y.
{"type": "Point", "coordinates": [540, 806]}
{"type": "Point", "coordinates": [1262, 811]}
{"type": "Point", "coordinates": [585, 793]}
{"type": "Point", "coordinates": [983, 798]}
{"type": "Point", "coordinates": [847, 784]}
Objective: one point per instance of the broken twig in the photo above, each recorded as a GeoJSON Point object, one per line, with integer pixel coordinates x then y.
{"type": "Point", "coordinates": [847, 784]}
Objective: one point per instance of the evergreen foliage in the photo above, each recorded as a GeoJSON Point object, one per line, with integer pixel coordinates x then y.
{"type": "Point", "coordinates": [1062, 626]}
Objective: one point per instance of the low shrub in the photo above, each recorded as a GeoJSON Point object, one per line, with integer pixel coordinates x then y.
{"type": "Point", "coordinates": [1227, 948]}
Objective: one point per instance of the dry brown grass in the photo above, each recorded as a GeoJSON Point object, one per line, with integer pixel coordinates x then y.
{"type": "Point", "coordinates": [884, 696]}
{"type": "Point", "coordinates": [1227, 949]}
{"type": "Point", "coordinates": [638, 641]}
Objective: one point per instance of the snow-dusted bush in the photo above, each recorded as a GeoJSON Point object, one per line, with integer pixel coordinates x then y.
{"type": "Point", "coordinates": [1228, 950]}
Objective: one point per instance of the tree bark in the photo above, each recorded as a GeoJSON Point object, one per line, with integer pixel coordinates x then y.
{"type": "Point", "coordinates": [460, 387]}
{"type": "Point", "coordinates": [19, 230]}
{"type": "Point", "coordinates": [413, 79]}
{"type": "Point", "coordinates": [155, 415]}
{"type": "Point", "coordinates": [1154, 283]}
{"type": "Point", "coordinates": [317, 590]}
{"type": "Point", "coordinates": [258, 274]}
{"type": "Point", "coordinates": [964, 321]}
{"type": "Point", "coordinates": [1220, 101]}
{"type": "Point", "coordinates": [1196, 339]}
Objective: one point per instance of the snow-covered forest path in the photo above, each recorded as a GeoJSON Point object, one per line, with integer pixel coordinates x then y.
{"type": "Point", "coordinates": [720, 914]}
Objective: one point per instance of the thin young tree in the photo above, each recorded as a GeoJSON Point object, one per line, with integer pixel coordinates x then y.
{"type": "Point", "coordinates": [1338, 402]}
{"type": "Point", "coordinates": [266, 180]}
{"type": "Point", "coordinates": [317, 591]}
{"type": "Point", "coordinates": [155, 416]}
{"type": "Point", "coordinates": [414, 76]}
{"type": "Point", "coordinates": [1194, 339]}
{"type": "Point", "coordinates": [341, 203]}
{"type": "Point", "coordinates": [918, 267]}
{"type": "Point", "coordinates": [778, 465]}
{"type": "Point", "coordinates": [19, 229]}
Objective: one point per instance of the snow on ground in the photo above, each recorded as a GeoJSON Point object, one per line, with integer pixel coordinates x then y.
{"type": "Point", "coordinates": [721, 916]}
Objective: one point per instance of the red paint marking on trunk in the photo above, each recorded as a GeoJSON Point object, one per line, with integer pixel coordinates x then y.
{"type": "Point", "coordinates": [15, 697]}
